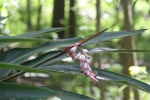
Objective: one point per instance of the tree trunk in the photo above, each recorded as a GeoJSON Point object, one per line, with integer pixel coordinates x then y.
{"type": "Point", "coordinates": [128, 59]}
{"type": "Point", "coordinates": [72, 19]}
{"type": "Point", "coordinates": [58, 16]}
{"type": "Point", "coordinates": [29, 15]}
{"type": "Point", "coordinates": [98, 14]}
{"type": "Point", "coordinates": [38, 24]}
{"type": "Point", "coordinates": [97, 57]}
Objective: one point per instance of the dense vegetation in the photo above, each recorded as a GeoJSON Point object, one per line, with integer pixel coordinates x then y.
{"type": "Point", "coordinates": [35, 39]}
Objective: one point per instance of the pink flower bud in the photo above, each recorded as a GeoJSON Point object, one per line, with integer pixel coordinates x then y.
{"type": "Point", "coordinates": [88, 73]}
{"type": "Point", "coordinates": [85, 66]}
{"type": "Point", "coordinates": [73, 49]}
{"type": "Point", "coordinates": [77, 56]}
{"type": "Point", "coordinates": [92, 73]}
{"type": "Point", "coordinates": [87, 56]}
{"type": "Point", "coordinates": [82, 58]}
{"type": "Point", "coordinates": [85, 51]}
{"type": "Point", "coordinates": [70, 53]}
{"type": "Point", "coordinates": [88, 61]}
{"type": "Point", "coordinates": [93, 78]}
{"type": "Point", "coordinates": [81, 65]}
{"type": "Point", "coordinates": [89, 68]}
{"type": "Point", "coordinates": [73, 56]}
{"type": "Point", "coordinates": [85, 72]}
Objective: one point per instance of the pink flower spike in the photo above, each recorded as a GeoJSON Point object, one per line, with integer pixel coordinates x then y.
{"type": "Point", "coordinates": [85, 62]}
{"type": "Point", "coordinates": [85, 51]}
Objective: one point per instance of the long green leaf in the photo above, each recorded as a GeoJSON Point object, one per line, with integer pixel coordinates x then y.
{"type": "Point", "coordinates": [109, 50]}
{"type": "Point", "coordinates": [8, 39]}
{"type": "Point", "coordinates": [103, 75]}
{"type": "Point", "coordinates": [112, 35]}
{"type": "Point", "coordinates": [3, 72]}
{"type": "Point", "coordinates": [5, 40]}
{"type": "Point", "coordinates": [18, 91]}
{"type": "Point", "coordinates": [14, 55]}
{"type": "Point", "coordinates": [53, 60]}
{"type": "Point", "coordinates": [66, 42]}
{"type": "Point", "coordinates": [20, 67]}
{"type": "Point", "coordinates": [41, 32]}
{"type": "Point", "coordinates": [46, 56]}
{"type": "Point", "coordinates": [20, 55]}
{"type": "Point", "coordinates": [65, 95]}
{"type": "Point", "coordinates": [41, 58]}
{"type": "Point", "coordinates": [26, 92]}
{"type": "Point", "coordinates": [34, 63]}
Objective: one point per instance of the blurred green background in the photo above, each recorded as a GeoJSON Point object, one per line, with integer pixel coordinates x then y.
{"type": "Point", "coordinates": [81, 18]}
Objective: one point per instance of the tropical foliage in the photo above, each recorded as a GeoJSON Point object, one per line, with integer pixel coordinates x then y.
{"type": "Point", "coordinates": [14, 62]}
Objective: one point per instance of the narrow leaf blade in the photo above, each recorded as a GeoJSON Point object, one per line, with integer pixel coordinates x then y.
{"type": "Point", "coordinates": [112, 35]}
{"type": "Point", "coordinates": [103, 75]}
{"type": "Point", "coordinates": [109, 50]}
{"type": "Point", "coordinates": [8, 39]}
{"type": "Point", "coordinates": [19, 91]}
{"type": "Point", "coordinates": [20, 67]}
{"type": "Point", "coordinates": [14, 55]}
{"type": "Point", "coordinates": [41, 32]}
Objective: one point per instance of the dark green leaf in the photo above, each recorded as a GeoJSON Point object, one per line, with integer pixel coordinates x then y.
{"type": "Point", "coordinates": [3, 72]}
{"type": "Point", "coordinates": [53, 60]}
{"type": "Point", "coordinates": [26, 92]}
{"type": "Point", "coordinates": [103, 75]}
{"type": "Point", "coordinates": [5, 40]}
{"type": "Point", "coordinates": [18, 91]}
{"type": "Point", "coordinates": [20, 67]}
{"type": "Point", "coordinates": [65, 95]}
{"type": "Point", "coordinates": [109, 50]}
{"type": "Point", "coordinates": [112, 35]}
{"type": "Point", "coordinates": [40, 59]}
{"type": "Point", "coordinates": [35, 63]}
{"type": "Point", "coordinates": [20, 55]}
{"type": "Point", "coordinates": [14, 55]}
{"type": "Point", "coordinates": [66, 42]}
{"type": "Point", "coordinates": [41, 32]}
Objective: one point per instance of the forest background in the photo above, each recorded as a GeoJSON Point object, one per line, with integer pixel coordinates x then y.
{"type": "Point", "coordinates": [81, 18]}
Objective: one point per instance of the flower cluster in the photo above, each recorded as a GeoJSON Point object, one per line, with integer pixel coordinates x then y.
{"type": "Point", "coordinates": [85, 62]}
